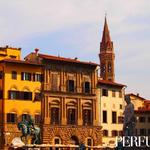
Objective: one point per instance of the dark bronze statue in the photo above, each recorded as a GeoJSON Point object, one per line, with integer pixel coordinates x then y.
{"type": "Point", "coordinates": [28, 129]}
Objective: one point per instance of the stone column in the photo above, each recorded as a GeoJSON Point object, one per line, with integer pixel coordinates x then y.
{"type": "Point", "coordinates": [79, 108]}
{"type": "Point", "coordinates": [63, 112]}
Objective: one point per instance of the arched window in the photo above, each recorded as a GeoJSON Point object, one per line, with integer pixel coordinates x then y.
{"type": "Point", "coordinates": [89, 142]}
{"type": "Point", "coordinates": [56, 141]}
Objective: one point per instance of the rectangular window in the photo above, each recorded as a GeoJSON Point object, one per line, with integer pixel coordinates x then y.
{"type": "Point", "coordinates": [120, 94]}
{"type": "Point", "coordinates": [114, 117]}
{"type": "Point", "coordinates": [113, 93]}
{"type": "Point", "coordinates": [26, 76]}
{"type": "Point", "coordinates": [26, 95]}
{"type": "Point", "coordinates": [104, 92]}
{"type": "Point", "coordinates": [71, 116]}
{"type": "Point", "coordinates": [14, 75]}
{"type": "Point", "coordinates": [148, 119]}
{"type": "Point", "coordinates": [142, 132]}
{"type": "Point", "coordinates": [54, 82]}
{"type": "Point", "coordinates": [142, 119]}
{"type": "Point", "coordinates": [37, 97]}
{"type": "Point", "coordinates": [120, 106]}
{"type": "Point", "coordinates": [71, 85]}
{"type": "Point", "coordinates": [87, 87]}
{"type": "Point", "coordinates": [37, 119]}
{"type": "Point", "coordinates": [54, 115]}
{"type": "Point", "coordinates": [104, 116]}
{"type": "Point", "coordinates": [1, 74]}
{"type": "Point", "coordinates": [37, 77]}
{"type": "Point", "coordinates": [148, 132]}
{"type": "Point", "coordinates": [87, 118]}
{"type": "Point", "coordinates": [13, 94]}
{"type": "Point", "coordinates": [120, 119]}
{"type": "Point", "coordinates": [114, 133]}
{"type": "Point", "coordinates": [1, 94]}
{"type": "Point", "coordinates": [105, 132]}
{"type": "Point", "coordinates": [11, 118]}
{"type": "Point", "coordinates": [120, 133]}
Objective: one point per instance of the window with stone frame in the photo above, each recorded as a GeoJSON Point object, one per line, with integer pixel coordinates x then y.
{"type": "Point", "coordinates": [11, 118]}
{"type": "Point", "coordinates": [87, 117]}
{"type": "Point", "coordinates": [54, 82]}
{"type": "Point", "coordinates": [71, 116]}
{"type": "Point", "coordinates": [71, 86]}
{"type": "Point", "coordinates": [87, 87]}
{"type": "Point", "coordinates": [89, 143]}
{"type": "Point", "coordinates": [55, 117]}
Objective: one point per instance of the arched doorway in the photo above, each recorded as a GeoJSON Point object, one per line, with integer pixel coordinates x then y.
{"type": "Point", "coordinates": [74, 140]}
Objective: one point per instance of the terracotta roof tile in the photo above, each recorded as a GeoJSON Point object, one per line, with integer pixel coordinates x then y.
{"type": "Point", "coordinates": [110, 83]}
{"type": "Point", "coordinates": [19, 61]}
{"type": "Point", "coordinates": [58, 58]}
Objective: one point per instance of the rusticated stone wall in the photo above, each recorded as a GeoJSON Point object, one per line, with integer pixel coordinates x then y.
{"type": "Point", "coordinates": [66, 132]}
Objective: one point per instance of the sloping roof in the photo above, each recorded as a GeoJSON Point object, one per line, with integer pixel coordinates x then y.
{"type": "Point", "coordinates": [58, 58]}
{"type": "Point", "coordinates": [19, 62]}
{"type": "Point", "coordinates": [106, 82]}
{"type": "Point", "coordinates": [136, 95]}
{"type": "Point", "coordinates": [142, 110]}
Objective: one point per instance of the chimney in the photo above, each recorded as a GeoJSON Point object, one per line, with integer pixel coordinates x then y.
{"type": "Point", "coordinates": [36, 51]}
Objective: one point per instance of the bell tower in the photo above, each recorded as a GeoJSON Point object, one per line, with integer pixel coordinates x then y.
{"type": "Point", "coordinates": [106, 55]}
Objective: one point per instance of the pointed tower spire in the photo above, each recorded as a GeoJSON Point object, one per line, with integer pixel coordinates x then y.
{"type": "Point", "coordinates": [106, 55]}
{"type": "Point", "coordinates": [106, 37]}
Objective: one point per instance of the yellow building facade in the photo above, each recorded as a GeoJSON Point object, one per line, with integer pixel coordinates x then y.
{"type": "Point", "coordinates": [111, 104]}
{"type": "Point", "coordinates": [20, 86]}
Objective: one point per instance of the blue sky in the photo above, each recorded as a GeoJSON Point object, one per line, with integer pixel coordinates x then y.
{"type": "Point", "coordinates": [73, 28]}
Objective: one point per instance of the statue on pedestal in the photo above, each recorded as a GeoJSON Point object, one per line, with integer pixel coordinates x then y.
{"type": "Point", "coordinates": [129, 118]}
{"type": "Point", "coordinates": [27, 127]}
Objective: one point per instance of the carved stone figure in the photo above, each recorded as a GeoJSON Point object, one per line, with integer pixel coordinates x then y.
{"type": "Point", "coordinates": [129, 118]}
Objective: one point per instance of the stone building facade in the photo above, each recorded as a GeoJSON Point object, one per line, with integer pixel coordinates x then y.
{"type": "Point", "coordinates": [69, 105]}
